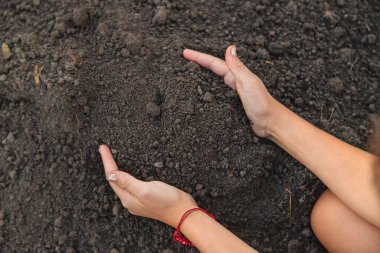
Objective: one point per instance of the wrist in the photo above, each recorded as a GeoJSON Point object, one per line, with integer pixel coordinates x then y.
{"type": "Point", "coordinates": [277, 120]}
{"type": "Point", "coordinates": [174, 216]}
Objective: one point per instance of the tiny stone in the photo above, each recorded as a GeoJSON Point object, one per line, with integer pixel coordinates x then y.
{"type": "Point", "coordinates": [371, 39]}
{"type": "Point", "coordinates": [69, 65]}
{"type": "Point", "coordinates": [114, 151]}
{"type": "Point", "coordinates": [226, 150]}
{"type": "Point", "coordinates": [167, 251]}
{"type": "Point", "coordinates": [372, 108]}
{"type": "Point", "coordinates": [125, 53]}
{"type": "Point", "coordinates": [36, 2]}
{"type": "Point", "coordinates": [80, 17]}
{"type": "Point", "coordinates": [335, 84]}
{"type": "Point", "coordinates": [208, 97]}
{"type": "Point", "coordinates": [60, 27]}
{"type": "Point", "coordinates": [3, 77]}
{"type": "Point", "coordinates": [70, 250]}
{"type": "Point", "coordinates": [298, 101]}
{"type": "Point", "coordinates": [263, 54]}
{"type": "Point", "coordinates": [177, 121]}
{"type": "Point", "coordinates": [214, 193]}
{"type": "Point", "coordinates": [153, 110]}
{"type": "Point", "coordinates": [341, 3]}
{"type": "Point", "coordinates": [160, 17]}
{"type": "Point", "coordinates": [62, 239]}
{"type": "Point", "coordinates": [116, 210]}
{"type": "Point", "coordinates": [133, 43]}
{"type": "Point", "coordinates": [155, 144]}
{"type": "Point", "coordinates": [101, 51]}
{"type": "Point", "coordinates": [243, 173]}
{"type": "Point", "coordinates": [295, 246]}
{"type": "Point", "coordinates": [59, 221]}
{"type": "Point", "coordinates": [198, 187]}
{"type": "Point", "coordinates": [306, 232]}
{"type": "Point", "coordinates": [102, 29]}
{"type": "Point", "coordinates": [158, 164]}
{"type": "Point", "coordinates": [6, 51]}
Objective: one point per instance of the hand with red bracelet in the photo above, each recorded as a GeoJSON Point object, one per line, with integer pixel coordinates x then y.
{"type": "Point", "coordinates": [160, 201]}
{"type": "Point", "coordinates": [155, 200]}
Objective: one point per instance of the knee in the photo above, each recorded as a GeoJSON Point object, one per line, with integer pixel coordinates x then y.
{"type": "Point", "coordinates": [325, 217]}
{"type": "Point", "coordinates": [322, 211]}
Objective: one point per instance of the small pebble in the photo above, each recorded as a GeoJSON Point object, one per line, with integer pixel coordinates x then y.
{"type": "Point", "coordinates": [116, 210]}
{"type": "Point", "coordinates": [114, 151]}
{"type": "Point", "coordinates": [62, 239]}
{"type": "Point", "coordinates": [59, 221]}
{"type": "Point", "coordinates": [262, 54]}
{"type": "Point", "coordinates": [3, 77]}
{"type": "Point", "coordinates": [198, 187]}
{"type": "Point", "coordinates": [335, 84]}
{"type": "Point", "coordinates": [208, 97]}
{"type": "Point", "coordinates": [371, 39]}
{"type": "Point", "coordinates": [153, 110]}
{"type": "Point", "coordinates": [372, 108]}
{"type": "Point", "coordinates": [5, 51]}
{"type": "Point", "coordinates": [243, 173]}
{"type": "Point", "coordinates": [299, 101]}
{"type": "Point", "coordinates": [80, 17]}
{"type": "Point", "coordinates": [69, 65]}
{"type": "Point", "coordinates": [226, 150]}
{"type": "Point", "coordinates": [306, 232]}
{"type": "Point", "coordinates": [158, 164]}
{"type": "Point", "coordinates": [125, 53]}
{"type": "Point", "coordinates": [341, 3]}
{"type": "Point", "coordinates": [295, 246]}
{"type": "Point", "coordinates": [160, 17]}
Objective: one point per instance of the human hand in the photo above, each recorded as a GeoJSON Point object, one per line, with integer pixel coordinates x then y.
{"type": "Point", "coordinates": [259, 105]}
{"type": "Point", "coordinates": [155, 200]}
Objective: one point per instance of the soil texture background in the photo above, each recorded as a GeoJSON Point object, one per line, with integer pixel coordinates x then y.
{"type": "Point", "coordinates": [76, 74]}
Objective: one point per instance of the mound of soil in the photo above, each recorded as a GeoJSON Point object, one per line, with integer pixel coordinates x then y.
{"type": "Point", "coordinates": [75, 74]}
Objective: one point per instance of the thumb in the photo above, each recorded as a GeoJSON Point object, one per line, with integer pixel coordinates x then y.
{"type": "Point", "coordinates": [125, 181]}
{"type": "Point", "coordinates": [236, 66]}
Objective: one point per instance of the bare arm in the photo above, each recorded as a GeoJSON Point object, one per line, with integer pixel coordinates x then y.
{"type": "Point", "coordinates": [352, 174]}
{"type": "Point", "coordinates": [160, 201]}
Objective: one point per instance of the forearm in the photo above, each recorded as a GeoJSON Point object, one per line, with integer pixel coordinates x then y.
{"type": "Point", "coordinates": [352, 174]}
{"type": "Point", "coordinates": [211, 237]}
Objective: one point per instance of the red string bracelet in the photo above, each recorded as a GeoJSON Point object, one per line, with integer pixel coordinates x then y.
{"type": "Point", "coordinates": [177, 233]}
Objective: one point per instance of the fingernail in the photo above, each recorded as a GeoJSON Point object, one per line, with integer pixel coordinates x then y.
{"type": "Point", "coordinates": [233, 51]}
{"type": "Point", "coordinates": [112, 177]}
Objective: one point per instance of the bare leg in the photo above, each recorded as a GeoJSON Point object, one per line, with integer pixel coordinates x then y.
{"type": "Point", "coordinates": [341, 230]}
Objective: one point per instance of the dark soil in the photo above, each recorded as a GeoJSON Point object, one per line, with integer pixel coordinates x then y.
{"type": "Point", "coordinates": [113, 73]}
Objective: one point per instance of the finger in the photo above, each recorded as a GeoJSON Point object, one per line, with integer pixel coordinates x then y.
{"type": "Point", "coordinates": [236, 66]}
{"type": "Point", "coordinates": [107, 158]}
{"type": "Point", "coordinates": [214, 64]}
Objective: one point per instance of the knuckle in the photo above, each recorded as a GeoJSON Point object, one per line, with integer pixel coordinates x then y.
{"type": "Point", "coordinates": [124, 183]}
